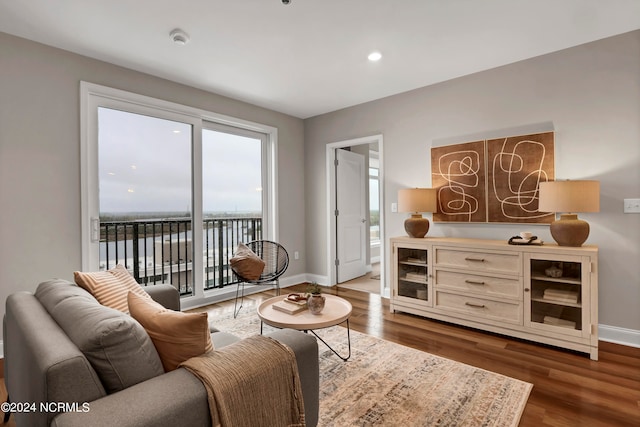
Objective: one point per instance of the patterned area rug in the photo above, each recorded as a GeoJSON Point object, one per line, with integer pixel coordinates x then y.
{"type": "Point", "coordinates": [386, 384]}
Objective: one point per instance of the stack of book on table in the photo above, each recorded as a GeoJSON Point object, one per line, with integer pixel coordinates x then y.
{"type": "Point", "coordinates": [292, 304]}
{"type": "Point", "coordinates": [560, 295]}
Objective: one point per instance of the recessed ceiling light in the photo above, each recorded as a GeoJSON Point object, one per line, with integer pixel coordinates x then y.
{"type": "Point", "coordinates": [374, 56]}
{"type": "Point", "coordinates": [179, 37]}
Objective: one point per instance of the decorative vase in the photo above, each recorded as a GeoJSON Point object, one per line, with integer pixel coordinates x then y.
{"type": "Point", "coordinates": [315, 302]}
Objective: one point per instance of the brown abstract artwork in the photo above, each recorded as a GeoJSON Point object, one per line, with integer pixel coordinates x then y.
{"type": "Point", "coordinates": [516, 167]}
{"type": "Point", "coordinates": [495, 180]}
{"type": "Point", "coordinates": [458, 172]}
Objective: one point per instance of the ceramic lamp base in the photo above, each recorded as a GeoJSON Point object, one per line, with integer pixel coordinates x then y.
{"type": "Point", "coordinates": [569, 230]}
{"type": "Point", "coordinates": [416, 226]}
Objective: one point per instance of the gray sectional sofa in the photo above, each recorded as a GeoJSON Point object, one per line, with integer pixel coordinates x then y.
{"type": "Point", "coordinates": [94, 365]}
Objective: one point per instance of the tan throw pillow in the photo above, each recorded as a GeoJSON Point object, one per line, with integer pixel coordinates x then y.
{"type": "Point", "coordinates": [246, 263]}
{"type": "Point", "coordinates": [110, 287]}
{"type": "Point", "coordinates": [177, 336]}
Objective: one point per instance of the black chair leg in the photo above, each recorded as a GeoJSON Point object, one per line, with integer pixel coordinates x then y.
{"type": "Point", "coordinates": [236, 309]}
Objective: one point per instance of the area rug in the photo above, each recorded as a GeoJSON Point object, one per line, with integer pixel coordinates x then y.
{"type": "Point", "coordinates": [386, 384]}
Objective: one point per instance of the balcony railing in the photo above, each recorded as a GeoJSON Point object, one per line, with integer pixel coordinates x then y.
{"type": "Point", "coordinates": [161, 251]}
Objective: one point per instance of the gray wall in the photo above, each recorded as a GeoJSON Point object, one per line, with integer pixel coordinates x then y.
{"type": "Point", "coordinates": [40, 157]}
{"type": "Point", "coordinates": [590, 94]}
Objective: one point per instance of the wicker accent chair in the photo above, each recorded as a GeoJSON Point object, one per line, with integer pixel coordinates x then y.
{"type": "Point", "coordinates": [276, 261]}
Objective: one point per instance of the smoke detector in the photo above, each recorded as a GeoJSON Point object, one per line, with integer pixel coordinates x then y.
{"type": "Point", "coordinates": [179, 37]}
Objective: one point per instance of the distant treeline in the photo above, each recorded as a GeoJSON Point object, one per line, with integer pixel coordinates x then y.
{"type": "Point", "coordinates": [133, 216]}
{"type": "Point", "coordinates": [375, 217]}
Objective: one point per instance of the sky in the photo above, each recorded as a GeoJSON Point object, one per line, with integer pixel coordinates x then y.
{"type": "Point", "coordinates": [145, 166]}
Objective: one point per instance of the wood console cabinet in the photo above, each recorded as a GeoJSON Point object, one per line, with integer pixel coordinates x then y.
{"type": "Point", "coordinates": [547, 294]}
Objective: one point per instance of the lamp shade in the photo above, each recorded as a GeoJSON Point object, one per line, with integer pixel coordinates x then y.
{"type": "Point", "coordinates": [417, 200]}
{"type": "Point", "coordinates": [569, 196]}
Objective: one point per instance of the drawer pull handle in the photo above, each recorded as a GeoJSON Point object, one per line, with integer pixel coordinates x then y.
{"type": "Point", "coordinates": [470, 304]}
{"type": "Point", "coordinates": [470, 258]}
{"type": "Point", "coordinates": [474, 282]}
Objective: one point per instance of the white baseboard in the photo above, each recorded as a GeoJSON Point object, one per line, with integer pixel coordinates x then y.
{"type": "Point", "coordinates": [320, 280]}
{"type": "Point", "coordinates": [616, 335]}
{"type": "Point", "coordinates": [1, 349]}
{"type": "Point", "coordinates": [285, 282]}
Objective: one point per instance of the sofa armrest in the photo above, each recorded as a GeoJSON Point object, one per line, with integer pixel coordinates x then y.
{"type": "Point", "coordinates": [172, 399]}
{"type": "Point", "coordinates": [305, 347]}
{"type": "Point", "coordinates": [43, 361]}
{"type": "Point", "coordinates": [164, 294]}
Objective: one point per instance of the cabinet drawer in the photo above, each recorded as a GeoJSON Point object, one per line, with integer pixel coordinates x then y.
{"type": "Point", "coordinates": [509, 287]}
{"type": "Point", "coordinates": [480, 307]}
{"type": "Point", "coordinates": [505, 262]}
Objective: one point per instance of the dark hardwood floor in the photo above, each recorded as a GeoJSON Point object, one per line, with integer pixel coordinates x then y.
{"type": "Point", "coordinates": [569, 389]}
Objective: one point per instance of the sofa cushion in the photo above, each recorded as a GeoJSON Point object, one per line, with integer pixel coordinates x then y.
{"type": "Point", "coordinates": [246, 263]}
{"type": "Point", "coordinates": [177, 336]}
{"type": "Point", "coordinates": [110, 287]}
{"type": "Point", "coordinates": [117, 346]}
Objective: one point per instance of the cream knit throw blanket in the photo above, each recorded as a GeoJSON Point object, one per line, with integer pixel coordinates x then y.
{"type": "Point", "coordinates": [252, 382]}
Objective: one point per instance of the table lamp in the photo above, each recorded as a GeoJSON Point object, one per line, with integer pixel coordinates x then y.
{"type": "Point", "coordinates": [417, 201]}
{"type": "Point", "coordinates": [569, 197]}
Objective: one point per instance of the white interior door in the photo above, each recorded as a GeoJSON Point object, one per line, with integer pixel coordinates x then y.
{"type": "Point", "coordinates": [351, 216]}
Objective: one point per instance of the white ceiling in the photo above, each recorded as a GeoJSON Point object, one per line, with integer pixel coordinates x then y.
{"type": "Point", "coordinates": [310, 57]}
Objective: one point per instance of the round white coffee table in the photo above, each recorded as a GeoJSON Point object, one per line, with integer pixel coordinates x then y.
{"type": "Point", "coordinates": [336, 311]}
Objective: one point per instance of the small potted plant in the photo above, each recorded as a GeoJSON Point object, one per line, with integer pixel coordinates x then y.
{"type": "Point", "coordinates": [315, 301]}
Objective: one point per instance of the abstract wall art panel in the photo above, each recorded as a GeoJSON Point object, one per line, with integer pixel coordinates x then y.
{"type": "Point", "coordinates": [494, 180]}
{"type": "Point", "coordinates": [515, 167]}
{"type": "Point", "coordinates": [458, 172]}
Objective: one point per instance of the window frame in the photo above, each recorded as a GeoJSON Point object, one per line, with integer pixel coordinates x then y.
{"type": "Point", "coordinates": [267, 200]}
{"type": "Point", "coordinates": [93, 96]}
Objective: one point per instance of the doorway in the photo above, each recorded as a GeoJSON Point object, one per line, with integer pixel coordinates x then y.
{"type": "Point", "coordinates": [352, 215]}
{"type": "Point", "coordinates": [371, 148]}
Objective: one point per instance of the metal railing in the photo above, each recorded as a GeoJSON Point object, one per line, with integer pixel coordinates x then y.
{"type": "Point", "coordinates": [160, 250]}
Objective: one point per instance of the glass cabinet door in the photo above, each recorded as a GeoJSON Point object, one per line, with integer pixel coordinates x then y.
{"type": "Point", "coordinates": [413, 273]}
{"type": "Point", "coordinates": [557, 299]}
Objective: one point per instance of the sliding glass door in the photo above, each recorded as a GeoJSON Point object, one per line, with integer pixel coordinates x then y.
{"type": "Point", "coordinates": [233, 196]}
{"type": "Point", "coordinates": [146, 197]}
{"type": "Point", "coordinates": [168, 192]}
